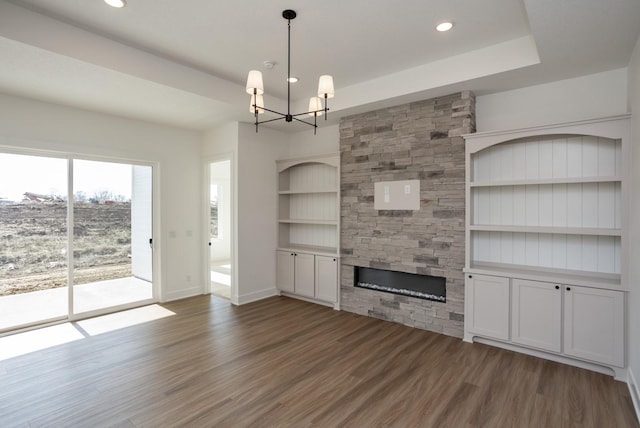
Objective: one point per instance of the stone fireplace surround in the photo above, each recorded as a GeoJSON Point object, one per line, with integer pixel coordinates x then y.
{"type": "Point", "coordinates": [416, 141]}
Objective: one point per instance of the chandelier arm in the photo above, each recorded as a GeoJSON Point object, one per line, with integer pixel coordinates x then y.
{"type": "Point", "coordinates": [304, 121]}
{"type": "Point", "coordinates": [270, 120]}
{"type": "Point", "coordinates": [271, 111]}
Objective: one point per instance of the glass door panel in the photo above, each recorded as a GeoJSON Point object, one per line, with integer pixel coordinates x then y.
{"type": "Point", "coordinates": [111, 207]}
{"type": "Point", "coordinates": [33, 240]}
{"type": "Point", "coordinates": [220, 235]}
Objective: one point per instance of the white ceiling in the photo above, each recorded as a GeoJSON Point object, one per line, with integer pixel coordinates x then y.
{"type": "Point", "coordinates": [184, 63]}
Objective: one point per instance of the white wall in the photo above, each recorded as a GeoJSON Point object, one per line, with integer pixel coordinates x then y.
{"type": "Point", "coordinates": [634, 235]}
{"type": "Point", "coordinates": [305, 143]}
{"type": "Point", "coordinates": [257, 210]}
{"type": "Point", "coordinates": [28, 124]}
{"type": "Point", "coordinates": [587, 97]}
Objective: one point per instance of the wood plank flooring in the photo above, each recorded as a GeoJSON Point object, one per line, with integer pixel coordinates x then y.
{"type": "Point", "coordinates": [282, 362]}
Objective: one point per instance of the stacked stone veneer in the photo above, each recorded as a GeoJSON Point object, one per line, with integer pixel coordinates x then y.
{"type": "Point", "coordinates": [417, 141]}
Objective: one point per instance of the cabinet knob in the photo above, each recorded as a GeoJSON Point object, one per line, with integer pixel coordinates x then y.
{"type": "Point", "coordinates": [568, 288]}
{"type": "Point", "coordinates": [557, 287]}
{"type": "Point", "coordinates": [334, 260]}
{"type": "Point", "coordinates": [470, 276]}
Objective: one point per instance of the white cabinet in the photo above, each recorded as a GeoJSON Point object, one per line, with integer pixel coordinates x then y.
{"type": "Point", "coordinates": [308, 275]}
{"type": "Point", "coordinates": [546, 211]}
{"type": "Point", "coordinates": [304, 274]}
{"type": "Point", "coordinates": [536, 310]}
{"type": "Point", "coordinates": [487, 305]}
{"type": "Point", "coordinates": [285, 271]}
{"type": "Point", "coordinates": [327, 278]}
{"type": "Point", "coordinates": [594, 324]}
{"type": "Point", "coordinates": [309, 227]}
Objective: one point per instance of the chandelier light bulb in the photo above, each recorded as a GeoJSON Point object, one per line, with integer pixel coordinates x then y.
{"type": "Point", "coordinates": [315, 106]}
{"type": "Point", "coordinates": [256, 100]}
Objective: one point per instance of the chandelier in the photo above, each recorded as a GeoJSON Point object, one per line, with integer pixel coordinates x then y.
{"type": "Point", "coordinates": [255, 88]}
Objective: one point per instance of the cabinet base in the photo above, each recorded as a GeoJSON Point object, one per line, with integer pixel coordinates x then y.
{"type": "Point", "coordinates": [335, 306]}
{"type": "Point", "coordinates": [618, 373]}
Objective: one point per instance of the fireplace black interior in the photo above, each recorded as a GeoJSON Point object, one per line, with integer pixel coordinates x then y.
{"type": "Point", "coordinates": [406, 284]}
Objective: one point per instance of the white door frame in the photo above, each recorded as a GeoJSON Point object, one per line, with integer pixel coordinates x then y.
{"type": "Point", "coordinates": [228, 156]}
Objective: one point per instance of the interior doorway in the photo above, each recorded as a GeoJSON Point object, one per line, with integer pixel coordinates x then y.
{"type": "Point", "coordinates": [220, 227]}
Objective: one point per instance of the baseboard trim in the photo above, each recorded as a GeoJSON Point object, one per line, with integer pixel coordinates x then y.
{"type": "Point", "coordinates": [618, 373]}
{"type": "Point", "coordinates": [182, 294]}
{"type": "Point", "coordinates": [634, 390]}
{"type": "Point", "coordinates": [257, 295]}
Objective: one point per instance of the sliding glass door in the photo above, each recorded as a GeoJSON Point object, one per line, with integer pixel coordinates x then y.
{"type": "Point", "coordinates": [33, 240]}
{"type": "Point", "coordinates": [111, 206]}
{"type": "Point", "coordinates": [106, 256]}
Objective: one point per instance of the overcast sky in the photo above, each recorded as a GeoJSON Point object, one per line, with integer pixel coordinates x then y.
{"type": "Point", "coordinates": [48, 176]}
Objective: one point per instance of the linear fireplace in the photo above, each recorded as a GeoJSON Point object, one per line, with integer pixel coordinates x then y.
{"type": "Point", "coordinates": [406, 284]}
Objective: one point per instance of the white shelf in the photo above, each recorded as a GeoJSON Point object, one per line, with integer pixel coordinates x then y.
{"type": "Point", "coordinates": [560, 276]}
{"type": "Point", "coordinates": [318, 250]}
{"type": "Point", "coordinates": [543, 181]}
{"type": "Point", "coordinates": [306, 191]}
{"type": "Point", "coordinates": [309, 205]}
{"type": "Point", "coordinates": [547, 229]}
{"type": "Point", "coordinates": [306, 221]}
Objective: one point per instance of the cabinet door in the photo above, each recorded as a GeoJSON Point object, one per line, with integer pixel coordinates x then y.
{"type": "Point", "coordinates": [536, 310]}
{"type": "Point", "coordinates": [304, 274]}
{"type": "Point", "coordinates": [594, 324]}
{"type": "Point", "coordinates": [284, 271]}
{"type": "Point", "coordinates": [487, 306]}
{"type": "Point", "coordinates": [327, 278]}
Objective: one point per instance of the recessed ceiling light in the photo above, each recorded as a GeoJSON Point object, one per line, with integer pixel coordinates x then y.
{"type": "Point", "coordinates": [444, 26]}
{"type": "Point", "coordinates": [292, 79]}
{"type": "Point", "coordinates": [116, 3]}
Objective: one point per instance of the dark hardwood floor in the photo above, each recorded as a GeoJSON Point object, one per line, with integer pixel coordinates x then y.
{"type": "Point", "coordinates": [282, 362]}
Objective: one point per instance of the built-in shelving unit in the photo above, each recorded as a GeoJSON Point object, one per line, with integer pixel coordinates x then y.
{"type": "Point", "coordinates": [546, 204]}
{"type": "Point", "coordinates": [309, 226]}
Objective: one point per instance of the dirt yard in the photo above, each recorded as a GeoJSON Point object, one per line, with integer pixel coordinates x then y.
{"type": "Point", "coordinates": [33, 245]}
